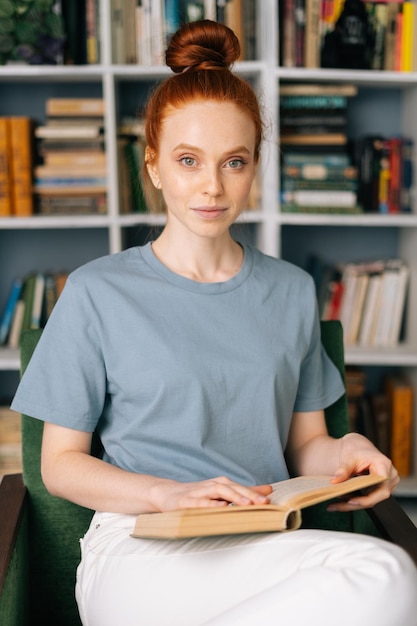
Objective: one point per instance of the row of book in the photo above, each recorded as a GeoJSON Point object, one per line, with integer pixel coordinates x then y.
{"type": "Point", "coordinates": [68, 32]}
{"type": "Point", "coordinates": [29, 304]}
{"type": "Point", "coordinates": [375, 34]}
{"type": "Point", "coordinates": [368, 298]}
{"type": "Point", "coordinates": [142, 28]}
{"type": "Point", "coordinates": [385, 166]}
{"type": "Point", "coordinates": [59, 167]}
{"type": "Point", "coordinates": [316, 168]}
{"type": "Point", "coordinates": [323, 170]}
{"type": "Point", "coordinates": [72, 176]}
{"type": "Point", "coordinates": [385, 416]}
{"type": "Point", "coordinates": [377, 179]}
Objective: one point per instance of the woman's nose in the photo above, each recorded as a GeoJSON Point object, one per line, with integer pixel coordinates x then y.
{"type": "Point", "coordinates": [213, 182]}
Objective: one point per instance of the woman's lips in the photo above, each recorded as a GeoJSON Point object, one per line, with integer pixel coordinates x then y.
{"type": "Point", "coordinates": [209, 212]}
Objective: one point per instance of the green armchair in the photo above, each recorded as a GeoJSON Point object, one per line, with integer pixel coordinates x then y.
{"type": "Point", "coordinates": [39, 534]}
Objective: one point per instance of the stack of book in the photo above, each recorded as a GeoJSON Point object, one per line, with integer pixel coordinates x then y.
{"type": "Point", "coordinates": [73, 176]}
{"type": "Point", "coordinates": [385, 416]}
{"type": "Point", "coordinates": [304, 25]}
{"type": "Point", "coordinates": [29, 304]}
{"type": "Point", "coordinates": [385, 173]}
{"type": "Point", "coordinates": [316, 171]}
{"type": "Point", "coordinates": [16, 166]}
{"type": "Point", "coordinates": [140, 30]}
{"type": "Point", "coordinates": [368, 298]}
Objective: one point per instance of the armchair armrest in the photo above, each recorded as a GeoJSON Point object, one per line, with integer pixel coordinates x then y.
{"type": "Point", "coordinates": [12, 500]}
{"type": "Point", "coordinates": [394, 525]}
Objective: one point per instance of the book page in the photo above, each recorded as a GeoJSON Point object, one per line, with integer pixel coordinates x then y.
{"type": "Point", "coordinates": [307, 490]}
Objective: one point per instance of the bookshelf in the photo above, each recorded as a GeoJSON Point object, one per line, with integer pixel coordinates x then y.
{"type": "Point", "coordinates": [58, 242]}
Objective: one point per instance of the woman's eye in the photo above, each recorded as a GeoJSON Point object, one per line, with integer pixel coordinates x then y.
{"type": "Point", "coordinates": [235, 164]}
{"type": "Point", "coordinates": [188, 161]}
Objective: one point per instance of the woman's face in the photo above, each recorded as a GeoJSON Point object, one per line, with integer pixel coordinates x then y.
{"type": "Point", "coordinates": [205, 166]}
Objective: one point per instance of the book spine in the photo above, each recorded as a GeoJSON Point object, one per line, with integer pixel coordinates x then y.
{"type": "Point", "coordinates": [407, 37]}
{"type": "Point", "coordinates": [390, 36]}
{"type": "Point", "coordinates": [394, 191]}
{"type": "Point", "coordinates": [16, 327]}
{"type": "Point", "coordinates": [313, 102]}
{"type": "Point", "coordinates": [7, 317]}
{"type": "Point", "coordinates": [6, 206]}
{"type": "Point", "coordinates": [384, 180]}
{"type": "Point", "coordinates": [319, 198]}
{"type": "Point", "coordinates": [316, 160]}
{"type": "Point", "coordinates": [381, 19]}
{"type": "Point", "coordinates": [131, 158]}
{"type": "Point", "coordinates": [317, 172]}
{"type": "Point", "coordinates": [295, 184]}
{"type": "Point", "coordinates": [130, 33]}
{"type": "Point", "coordinates": [157, 30]}
{"type": "Point", "coordinates": [300, 26]}
{"type": "Point", "coordinates": [407, 175]}
{"type": "Point", "coordinates": [92, 29]}
{"type": "Point", "coordinates": [234, 20]}
{"type": "Point", "coordinates": [38, 298]}
{"type": "Point", "coordinates": [210, 10]}
{"type": "Point", "coordinates": [288, 34]}
{"type": "Point", "coordinates": [90, 107]}
{"type": "Point", "coordinates": [401, 403]}
{"type": "Point", "coordinates": [172, 17]}
{"type": "Point", "coordinates": [312, 34]}
{"type": "Point", "coordinates": [28, 296]}
{"type": "Point", "coordinates": [398, 48]}
{"type": "Point", "coordinates": [21, 148]}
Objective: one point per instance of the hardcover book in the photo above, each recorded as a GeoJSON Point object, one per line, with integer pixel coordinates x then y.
{"type": "Point", "coordinates": [283, 512]}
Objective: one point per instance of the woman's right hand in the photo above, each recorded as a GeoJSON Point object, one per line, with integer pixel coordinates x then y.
{"type": "Point", "coordinates": [70, 472]}
{"type": "Point", "coordinates": [168, 495]}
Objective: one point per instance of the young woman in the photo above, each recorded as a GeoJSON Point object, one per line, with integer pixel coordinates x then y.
{"type": "Point", "coordinates": [198, 360]}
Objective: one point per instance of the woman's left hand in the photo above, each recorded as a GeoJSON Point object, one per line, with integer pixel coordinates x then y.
{"type": "Point", "coordinates": [357, 456]}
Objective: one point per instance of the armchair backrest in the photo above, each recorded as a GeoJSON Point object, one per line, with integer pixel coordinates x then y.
{"type": "Point", "coordinates": [55, 525]}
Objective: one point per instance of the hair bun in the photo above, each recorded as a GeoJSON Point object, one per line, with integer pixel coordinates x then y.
{"type": "Point", "coordinates": [202, 45]}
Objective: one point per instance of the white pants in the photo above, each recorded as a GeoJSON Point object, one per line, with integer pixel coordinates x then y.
{"type": "Point", "coordinates": [298, 578]}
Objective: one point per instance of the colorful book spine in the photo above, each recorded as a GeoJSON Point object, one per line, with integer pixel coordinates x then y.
{"type": "Point", "coordinates": [313, 102]}
{"type": "Point", "coordinates": [400, 394]}
{"type": "Point", "coordinates": [6, 202]}
{"type": "Point", "coordinates": [7, 317]}
{"type": "Point", "coordinates": [22, 161]}
{"type": "Point", "coordinates": [407, 37]}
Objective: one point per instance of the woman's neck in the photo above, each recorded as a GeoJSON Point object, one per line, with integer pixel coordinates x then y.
{"type": "Point", "coordinates": [201, 259]}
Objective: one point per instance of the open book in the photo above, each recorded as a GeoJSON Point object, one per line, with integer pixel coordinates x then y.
{"type": "Point", "coordinates": [282, 513]}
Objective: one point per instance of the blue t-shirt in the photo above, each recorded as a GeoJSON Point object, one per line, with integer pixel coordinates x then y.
{"type": "Point", "coordinates": [182, 379]}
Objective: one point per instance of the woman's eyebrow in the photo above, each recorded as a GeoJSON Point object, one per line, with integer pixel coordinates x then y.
{"type": "Point", "coordinates": [184, 146]}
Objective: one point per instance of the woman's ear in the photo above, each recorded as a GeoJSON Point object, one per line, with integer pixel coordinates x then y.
{"type": "Point", "coordinates": [152, 167]}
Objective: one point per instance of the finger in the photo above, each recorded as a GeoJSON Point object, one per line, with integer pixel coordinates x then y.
{"type": "Point", "coordinates": [264, 490]}
{"type": "Point", "coordinates": [341, 474]}
{"type": "Point", "coordinates": [363, 501]}
{"type": "Point", "coordinates": [211, 493]}
{"type": "Point", "coordinates": [241, 494]}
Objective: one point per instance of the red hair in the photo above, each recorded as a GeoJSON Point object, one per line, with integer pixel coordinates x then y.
{"type": "Point", "coordinates": [201, 54]}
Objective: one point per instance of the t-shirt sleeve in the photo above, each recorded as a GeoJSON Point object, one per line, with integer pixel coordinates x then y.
{"type": "Point", "coordinates": [320, 383]}
{"type": "Point", "coordinates": [65, 380]}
